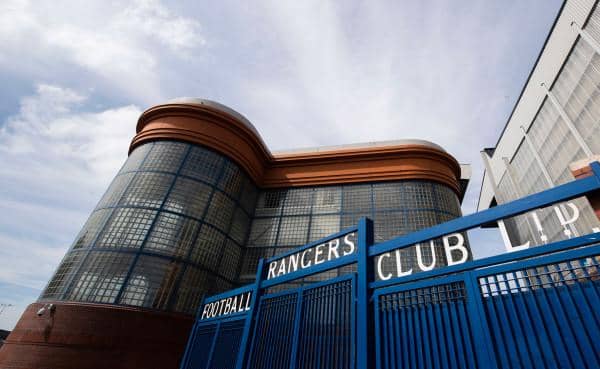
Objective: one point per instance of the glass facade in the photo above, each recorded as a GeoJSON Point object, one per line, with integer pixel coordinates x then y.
{"type": "Point", "coordinates": [170, 227]}
{"type": "Point", "coordinates": [574, 99]}
{"type": "Point", "coordinates": [288, 218]}
{"type": "Point", "coordinates": [180, 221]}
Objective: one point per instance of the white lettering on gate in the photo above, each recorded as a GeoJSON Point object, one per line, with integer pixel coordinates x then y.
{"type": "Point", "coordinates": [380, 267]}
{"type": "Point", "coordinates": [399, 271]}
{"type": "Point", "coordinates": [304, 265]}
{"type": "Point", "coordinates": [506, 239]}
{"type": "Point", "coordinates": [457, 246]}
{"type": "Point", "coordinates": [316, 255]}
{"type": "Point", "coordinates": [227, 306]}
{"type": "Point", "coordinates": [565, 222]}
{"type": "Point", "coordinates": [348, 242]}
{"type": "Point", "coordinates": [457, 253]}
{"type": "Point", "coordinates": [293, 263]}
{"type": "Point", "coordinates": [333, 250]}
{"type": "Point", "coordinates": [564, 219]}
{"type": "Point", "coordinates": [420, 257]}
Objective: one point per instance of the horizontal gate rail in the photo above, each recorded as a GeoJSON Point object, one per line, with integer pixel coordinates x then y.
{"type": "Point", "coordinates": [567, 191]}
{"type": "Point", "coordinates": [511, 257]}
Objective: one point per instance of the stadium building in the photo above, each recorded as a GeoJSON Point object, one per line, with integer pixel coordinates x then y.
{"type": "Point", "coordinates": [198, 202]}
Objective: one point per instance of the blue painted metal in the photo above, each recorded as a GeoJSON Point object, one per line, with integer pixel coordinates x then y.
{"type": "Point", "coordinates": [554, 195]}
{"type": "Point", "coordinates": [242, 354]}
{"type": "Point", "coordinates": [535, 308]}
{"type": "Point", "coordinates": [363, 309]}
{"type": "Point", "coordinates": [516, 256]}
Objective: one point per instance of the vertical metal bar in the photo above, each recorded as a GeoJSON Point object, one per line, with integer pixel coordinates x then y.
{"type": "Point", "coordinates": [305, 335]}
{"type": "Point", "coordinates": [494, 321]}
{"type": "Point", "coordinates": [395, 337]}
{"type": "Point", "coordinates": [432, 331]}
{"type": "Point", "coordinates": [271, 341]}
{"type": "Point", "coordinates": [485, 355]}
{"type": "Point", "coordinates": [350, 320]}
{"type": "Point", "coordinates": [321, 329]}
{"type": "Point", "coordinates": [331, 327]}
{"type": "Point", "coordinates": [521, 317]}
{"type": "Point", "coordinates": [447, 333]}
{"type": "Point", "coordinates": [385, 334]}
{"type": "Point", "coordinates": [418, 334]}
{"type": "Point", "coordinates": [335, 325]}
{"type": "Point", "coordinates": [567, 333]}
{"type": "Point", "coordinates": [406, 330]}
{"type": "Point", "coordinates": [363, 318]}
{"type": "Point", "coordinates": [213, 345]}
{"type": "Point", "coordinates": [439, 322]}
{"type": "Point", "coordinates": [573, 310]}
{"type": "Point", "coordinates": [536, 317]}
{"type": "Point", "coordinates": [377, 331]}
{"type": "Point", "coordinates": [330, 291]}
{"type": "Point", "coordinates": [252, 354]}
{"type": "Point", "coordinates": [425, 330]}
{"type": "Point", "coordinates": [242, 354]}
{"type": "Point", "coordinates": [558, 336]}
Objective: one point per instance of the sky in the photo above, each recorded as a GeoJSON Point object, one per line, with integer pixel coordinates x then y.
{"type": "Point", "coordinates": [76, 76]}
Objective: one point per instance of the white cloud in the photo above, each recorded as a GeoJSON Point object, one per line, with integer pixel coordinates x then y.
{"type": "Point", "coordinates": [119, 43]}
{"type": "Point", "coordinates": [306, 73]}
{"type": "Point", "coordinates": [56, 164]}
{"type": "Point", "coordinates": [153, 19]}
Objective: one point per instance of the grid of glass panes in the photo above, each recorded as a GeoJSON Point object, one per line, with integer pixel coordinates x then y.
{"type": "Point", "coordinates": [176, 214]}
{"type": "Point", "coordinates": [577, 92]}
{"type": "Point", "coordinates": [287, 218]}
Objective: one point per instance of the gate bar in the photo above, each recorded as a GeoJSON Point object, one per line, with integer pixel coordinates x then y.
{"type": "Point", "coordinates": [554, 195]}
{"type": "Point", "coordinates": [363, 308]}
{"type": "Point", "coordinates": [494, 260]}
{"type": "Point", "coordinates": [242, 353]}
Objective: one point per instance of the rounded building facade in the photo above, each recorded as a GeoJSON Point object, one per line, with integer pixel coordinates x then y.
{"type": "Point", "coordinates": [170, 228]}
{"type": "Point", "coordinates": [198, 202]}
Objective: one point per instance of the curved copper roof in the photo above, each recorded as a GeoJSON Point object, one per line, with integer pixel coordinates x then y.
{"type": "Point", "coordinates": [221, 128]}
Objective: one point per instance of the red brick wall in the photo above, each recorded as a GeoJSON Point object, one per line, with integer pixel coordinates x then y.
{"type": "Point", "coordinates": [81, 336]}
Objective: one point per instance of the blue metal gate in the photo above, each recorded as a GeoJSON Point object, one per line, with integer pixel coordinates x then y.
{"type": "Point", "coordinates": [540, 313]}
{"type": "Point", "coordinates": [215, 342]}
{"type": "Point", "coordinates": [311, 327]}
{"type": "Point", "coordinates": [535, 308]}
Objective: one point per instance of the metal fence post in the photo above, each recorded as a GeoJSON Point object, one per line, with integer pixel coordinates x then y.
{"type": "Point", "coordinates": [242, 353]}
{"type": "Point", "coordinates": [296, 333]}
{"type": "Point", "coordinates": [364, 312]}
{"type": "Point", "coordinates": [213, 346]}
{"type": "Point", "coordinates": [481, 334]}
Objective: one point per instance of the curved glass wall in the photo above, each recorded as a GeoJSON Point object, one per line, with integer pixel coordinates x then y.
{"type": "Point", "coordinates": [179, 221]}
{"type": "Point", "coordinates": [170, 228]}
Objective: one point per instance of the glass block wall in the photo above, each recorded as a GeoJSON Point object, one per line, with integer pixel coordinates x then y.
{"type": "Point", "coordinates": [170, 228]}
{"type": "Point", "coordinates": [289, 218]}
{"type": "Point", "coordinates": [180, 221]}
{"type": "Point", "coordinates": [576, 92]}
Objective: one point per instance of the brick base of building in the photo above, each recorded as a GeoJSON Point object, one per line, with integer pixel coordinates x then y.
{"type": "Point", "coordinates": [90, 336]}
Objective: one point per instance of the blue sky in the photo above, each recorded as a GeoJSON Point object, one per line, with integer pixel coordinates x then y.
{"type": "Point", "coordinates": [76, 75]}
